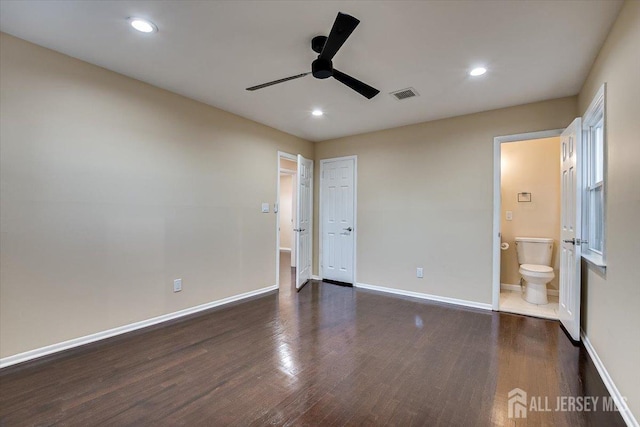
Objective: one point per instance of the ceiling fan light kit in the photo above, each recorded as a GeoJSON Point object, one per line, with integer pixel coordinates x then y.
{"type": "Point", "coordinates": [327, 47]}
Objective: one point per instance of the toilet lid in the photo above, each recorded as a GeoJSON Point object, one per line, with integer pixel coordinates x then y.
{"type": "Point", "coordinates": [537, 268]}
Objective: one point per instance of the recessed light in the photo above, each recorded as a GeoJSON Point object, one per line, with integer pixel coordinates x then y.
{"type": "Point", "coordinates": [143, 25]}
{"type": "Point", "coordinates": [477, 71]}
{"type": "Point", "coordinates": [317, 112]}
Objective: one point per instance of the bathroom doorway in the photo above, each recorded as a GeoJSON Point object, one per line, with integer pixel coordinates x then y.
{"type": "Point", "coordinates": [527, 220]}
{"type": "Point", "coordinates": [287, 182]}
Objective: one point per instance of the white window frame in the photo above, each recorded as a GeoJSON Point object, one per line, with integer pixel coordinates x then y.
{"type": "Point", "coordinates": [594, 117]}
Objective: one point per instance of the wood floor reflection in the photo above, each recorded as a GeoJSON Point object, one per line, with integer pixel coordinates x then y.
{"type": "Point", "coordinates": [287, 275]}
{"type": "Point", "coordinates": [328, 355]}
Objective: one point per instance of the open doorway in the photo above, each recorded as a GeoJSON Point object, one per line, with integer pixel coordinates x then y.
{"type": "Point", "coordinates": [287, 182]}
{"type": "Point", "coordinates": [530, 226]}
{"type": "Point", "coordinates": [526, 206]}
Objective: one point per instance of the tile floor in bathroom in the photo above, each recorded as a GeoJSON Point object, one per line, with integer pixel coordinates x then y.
{"type": "Point", "coordinates": [512, 302]}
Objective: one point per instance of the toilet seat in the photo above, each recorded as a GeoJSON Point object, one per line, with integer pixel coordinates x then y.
{"type": "Point", "coordinates": [535, 270]}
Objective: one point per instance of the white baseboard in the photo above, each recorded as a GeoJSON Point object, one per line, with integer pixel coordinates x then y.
{"type": "Point", "coordinates": [76, 342]}
{"type": "Point", "coordinates": [621, 403]}
{"type": "Point", "coordinates": [285, 249]}
{"type": "Point", "coordinates": [516, 288]}
{"type": "Point", "coordinates": [430, 297]}
{"type": "Point", "coordinates": [509, 287]}
{"type": "Point", "coordinates": [314, 277]}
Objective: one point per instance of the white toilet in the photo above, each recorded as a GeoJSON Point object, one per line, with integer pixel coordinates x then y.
{"type": "Point", "coordinates": [534, 257]}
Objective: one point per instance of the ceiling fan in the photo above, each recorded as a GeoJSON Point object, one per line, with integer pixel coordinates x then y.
{"type": "Point", "coordinates": [327, 47]}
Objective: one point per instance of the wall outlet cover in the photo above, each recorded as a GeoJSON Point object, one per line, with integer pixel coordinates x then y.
{"type": "Point", "coordinates": [177, 285]}
{"type": "Point", "coordinates": [420, 272]}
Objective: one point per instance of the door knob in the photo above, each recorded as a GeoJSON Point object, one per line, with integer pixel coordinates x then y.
{"type": "Point", "coordinates": [348, 229]}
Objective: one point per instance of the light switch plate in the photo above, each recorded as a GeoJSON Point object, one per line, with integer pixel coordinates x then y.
{"type": "Point", "coordinates": [419, 272]}
{"type": "Point", "coordinates": [177, 285]}
{"type": "Point", "coordinates": [509, 215]}
{"type": "Point", "coordinates": [265, 208]}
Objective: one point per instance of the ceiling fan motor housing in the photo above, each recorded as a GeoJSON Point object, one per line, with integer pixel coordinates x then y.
{"type": "Point", "coordinates": [322, 68]}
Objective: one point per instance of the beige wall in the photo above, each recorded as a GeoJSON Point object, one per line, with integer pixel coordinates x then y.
{"type": "Point", "coordinates": [111, 188]}
{"type": "Point", "coordinates": [529, 166]}
{"type": "Point", "coordinates": [425, 198]}
{"type": "Point", "coordinates": [611, 301]}
{"type": "Point", "coordinates": [285, 206]}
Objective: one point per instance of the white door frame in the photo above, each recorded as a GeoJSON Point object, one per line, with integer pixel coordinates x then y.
{"type": "Point", "coordinates": [497, 202]}
{"type": "Point", "coordinates": [355, 213]}
{"type": "Point", "coordinates": [281, 155]}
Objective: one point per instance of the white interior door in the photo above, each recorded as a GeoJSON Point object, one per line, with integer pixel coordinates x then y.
{"type": "Point", "coordinates": [294, 208]}
{"type": "Point", "coordinates": [304, 212]}
{"type": "Point", "coordinates": [570, 232]}
{"type": "Point", "coordinates": [337, 183]}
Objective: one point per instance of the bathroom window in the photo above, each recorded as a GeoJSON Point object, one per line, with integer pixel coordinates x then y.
{"type": "Point", "coordinates": [593, 130]}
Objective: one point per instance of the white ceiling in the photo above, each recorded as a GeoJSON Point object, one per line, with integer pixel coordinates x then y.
{"type": "Point", "coordinates": [212, 50]}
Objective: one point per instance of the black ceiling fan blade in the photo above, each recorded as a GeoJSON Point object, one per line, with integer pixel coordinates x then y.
{"type": "Point", "coordinates": [275, 82]}
{"type": "Point", "coordinates": [340, 32]}
{"type": "Point", "coordinates": [355, 84]}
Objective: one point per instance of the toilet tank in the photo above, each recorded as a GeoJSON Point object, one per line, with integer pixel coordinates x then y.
{"type": "Point", "coordinates": [534, 250]}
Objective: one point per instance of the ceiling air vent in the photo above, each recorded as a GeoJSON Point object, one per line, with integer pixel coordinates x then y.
{"type": "Point", "coordinates": [404, 93]}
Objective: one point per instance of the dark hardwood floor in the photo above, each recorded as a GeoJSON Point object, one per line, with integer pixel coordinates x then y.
{"type": "Point", "coordinates": [328, 355]}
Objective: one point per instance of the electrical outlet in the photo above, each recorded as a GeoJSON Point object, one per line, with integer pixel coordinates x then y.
{"type": "Point", "coordinates": [419, 272]}
{"type": "Point", "coordinates": [177, 285]}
